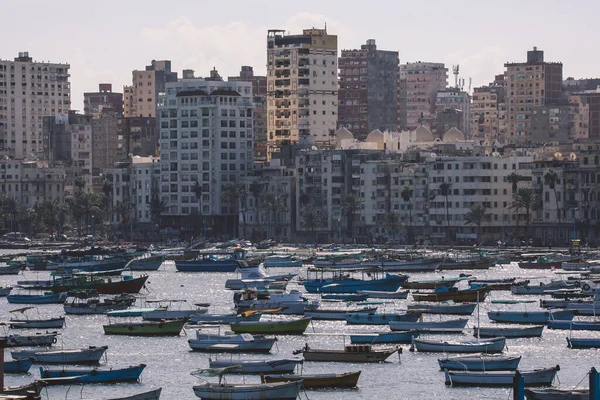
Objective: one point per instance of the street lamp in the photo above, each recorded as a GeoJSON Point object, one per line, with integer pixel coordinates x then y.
{"type": "Point", "coordinates": [340, 227]}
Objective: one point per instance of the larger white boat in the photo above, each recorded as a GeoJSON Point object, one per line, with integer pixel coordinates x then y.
{"type": "Point", "coordinates": [231, 343]}
{"type": "Point", "coordinates": [291, 303]}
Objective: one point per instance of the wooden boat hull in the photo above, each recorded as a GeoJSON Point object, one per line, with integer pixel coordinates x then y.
{"type": "Point", "coordinates": [151, 263]}
{"type": "Point", "coordinates": [470, 295]}
{"type": "Point", "coordinates": [480, 363]}
{"type": "Point", "coordinates": [106, 286]}
{"type": "Point", "coordinates": [90, 355]}
{"type": "Point", "coordinates": [149, 328]}
{"type": "Point", "coordinates": [373, 356]}
{"type": "Point", "coordinates": [557, 394]}
{"type": "Point", "coordinates": [281, 366]}
{"type": "Point", "coordinates": [541, 377]}
{"type": "Point", "coordinates": [449, 309]}
{"type": "Point", "coordinates": [574, 325]}
{"type": "Point", "coordinates": [453, 325]}
{"type": "Point", "coordinates": [493, 345]}
{"type": "Point", "coordinates": [51, 323]}
{"type": "Point", "coordinates": [390, 283]}
{"type": "Point", "coordinates": [17, 366]}
{"type": "Point", "coordinates": [541, 265]}
{"type": "Point", "coordinates": [221, 319]}
{"type": "Point", "coordinates": [279, 390]}
{"type": "Point", "coordinates": [335, 315]}
{"type": "Point", "coordinates": [56, 298]}
{"type": "Point", "coordinates": [372, 318]}
{"type": "Point", "coordinates": [430, 284]}
{"type": "Point", "coordinates": [346, 380]}
{"type": "Point", "coordinates": [372, 294]}
{"type": "Point", "coordinates": [11, 269]}
{"type": "Point", "coordinates": [385, 337]}
{"type": "Point", "coordinates": [5, 291]}
{"type": "Point", "coordinates": [45, 339]}
{"type": "Point", "coordinates": [212, 343]}
{"type": "Point", "coordinates": [479, 264]}
{"type": "Point", "coordinates": [71, 376]}
{"type": "Point", "coordinates": [294, 327]}
{"type": "Point", "coordinates": [534, 317]}
{"type": "Point", "coordinates": [150, 395]}
{"type": "Point", "coordinates": [424, 265]}
{"type": "Point", "coordinates": [515, 332]}
{"type": "Point", "coordinates": [583, 343]}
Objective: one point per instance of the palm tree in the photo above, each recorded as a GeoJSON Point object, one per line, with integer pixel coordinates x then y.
{"type": "Point", "coordinates": [157, 208]}
{"type": "Point", "coordinates": [391, 223]}
{"type": "Point", "coordinates": [406, 195]}
{"type": "Point", "coordinates": [551, 179]}
{"type": "Point", "coordinates": [526, 199]}
{"type": "Point", "coordinates": [310, 220]}
{"type": "Point", "coordinates": [446, 190]}
{"type": "Point", "coordinates": [514, 179]}
{"type": "Point", "coordinates": [107, 189]}
{"type": "Point", "coordinates": [273, 203]}
{"type": "Point", "coordinates": [351, 205]}
{"type": "Point", "coordinates": [477, 215]}
{"type": "Point", "coordinates": [125, 213]}
{"type": "Point", "coordinates": [198, 189]}
{"type": "Point", "coordinates": [231, 193]}
{"type": "Point", "coordinates": [79, 184]}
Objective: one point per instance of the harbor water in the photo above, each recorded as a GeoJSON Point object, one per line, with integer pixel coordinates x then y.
{"type": "Point", "coordinates": [410, 376]}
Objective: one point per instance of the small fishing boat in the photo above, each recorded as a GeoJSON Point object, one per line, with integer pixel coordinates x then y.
{"type": "Point", "coordinates": [336, 314]}
{"type": "Point", "coordinates": [451, 264]}
{"type": "Point", "coordinates": [447, 326]}
{"type": "Point", "coordinates": [492, 345]}
{"type": "Point", "coordinates": [11, 269]}
{"type": "Point", "coordinates": [102, 284]}
{"type": "Point", "coordinates": [82, 302]}
{"type": "Point", "coordinates": [133, 312]}
{"type": "Point", "coordinates": [432, 284]}
{"type": "Point", "coordinates": [363, 353]}
{"type": "Point", "coordinates": [278, 327]}
{"type": "Point", "coordinates": [261, 284]}
{"type": "Point", "coordinates": [542, 288]}
{"type": "Point", "coordinates": [91, 355]}
{"type": "Point", "coordinates": [167, 313]}
{"type": "Point", "coordinates": [37, 340]}
{"type": "Point", "coordinates": [292, 302]}
{"type": "Point", "coordinates": [557, 394]}
{"type": "Point", "coordinates": [43, 298]}
{"type": "Point", "coordinates": [341, 282]}
{"type": "Point", "coordinates": [230, 343]}
{"type": "Point", "coordinates": [216, 319]}
{"type": "Point", "coordinates": [281, 260]}
{"type": "Point", "coordinates": [22, 392]}
{"type": "Point", "coordinates": [372, 294]}
{"type": "Point", "coordinates": [449, 308]}
{"type": "Point", "coordinates": [532, 317]}
{"type": "Point", "coordinates": [373, 318]}
{"type": "Point", "coordinates": [245, 391]}
{"type": "Point", "coordinates": [345, 380]}
{"type": "Point", "coordinates": [150, 395]}
{"type": "Point", "coordinates": [221, 261]}
{"type": "Point", "coordinates": [583, 343]}
{"type": "Point", "coordinates": [492, 284]}
{"type": "Point", "coordinates": [96, 375]}
{"type": "Point", "coordinates": [508, 332]}
{"type": "Point", "coordinates": [5, 291]}
{"type": "Point", "coordinates": [273, 365]}
{"type": "Point", "coordinates": [479, 363]}
{"type": "Point", "coordinates": [34, 323]}
{"type": "Point", "coordinates": [411, 265]}
{"type": "Point", "coordinates": [18, 366]}
{"type": "Point", "coordinates": [145, 328]}
{"type": "Point", "coordinates": [146, 262]}
{"type": "Point", "coordinates": [345, 296]}
{"type": "Point", "coordinates": [384, 337]}
{"type": "Point", "coordinates": [536, 377]}
{"type": "Point", "coordinates": [574, 325]}
{"type": "Point", "coordinates": [445, 294]}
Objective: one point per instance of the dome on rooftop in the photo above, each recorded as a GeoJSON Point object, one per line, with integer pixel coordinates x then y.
{"type": "Point", "coordinates": [423, 134]}
{"type": "Point", "coordinates": [453, 135]}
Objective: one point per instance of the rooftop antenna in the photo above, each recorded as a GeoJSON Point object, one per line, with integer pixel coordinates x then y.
{"type": "Point", "coordinates": [470, 81]}
{"type": "Point", "coordinates": [455, 69]}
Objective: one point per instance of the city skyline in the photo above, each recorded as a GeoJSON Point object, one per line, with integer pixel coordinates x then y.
{"type": "Point", "coordinates": [111, 42]}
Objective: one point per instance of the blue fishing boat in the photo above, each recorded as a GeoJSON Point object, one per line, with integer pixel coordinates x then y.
{"type": "Point", "coordinates": [384, 337]}
{"type": "Point", "coordinates": [480, 363]}
{"type": "Point", "coordinates": [44, 298]}
{"type": "Point", "coordinates": [91, 263]}
{"type": "Point", "coordinates": [224, 261]}
{"type": "Point", "coordinates": [342, 282]}
{"type": "Point", "coordinates": [372, 318]}
{"type": "Point", "coordinates": [345, 297]}
{"type": "Point", "coordinates": [583, 343]}
{"type": "Point", "coordinates": [532, 317]}
{"type": "Point", "coordinates": [94, 375]}
{"type": "Point", "coordinates": [18, 366]}
{"type": "Point", "coordinates": [574, 325]}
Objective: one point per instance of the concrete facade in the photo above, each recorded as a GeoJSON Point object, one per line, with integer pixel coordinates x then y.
{"type": "Point", "coordinates": [140, 97]}
{"type": "Point", "coordinates": [32, 181]}
{"type": "Point", "coordinates": [104, 100]}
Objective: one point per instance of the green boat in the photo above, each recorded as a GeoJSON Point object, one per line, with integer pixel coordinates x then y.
{"type": "Point", "coordinates": [289, 327]}
{"type": "Point", "coordinates": [146, 328]}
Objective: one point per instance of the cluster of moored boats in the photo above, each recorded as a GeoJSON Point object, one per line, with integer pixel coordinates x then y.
{"type": "Point", "coordinates": [353, 288]}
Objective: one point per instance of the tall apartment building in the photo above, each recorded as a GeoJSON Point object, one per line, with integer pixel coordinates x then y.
{"type": "Point", "coordinates": [30, 91]}
{"type": "Point", "coordinates": [32, 181]}
{"type": "Point", "coordinates": [530, 84]}
{"type": "Point", "coordinates": [139, 135]}
{"type": "Point", "coordinates": [206, 136]}
{"type": "Point", "coordinates": [458, 101]}
{"type": "Point", "coordinates": [108, 144]}
{"type": "Point", "coordinates": [368, 94]}
{"type": "Point", "coordinates": [486, 111]}
{"type": "Point", "coordinates": [140, 98]}
{"type": "Point", "coordinates": [587, 123]}
{"type": "Point", "coordinates": [419, 84]}
{"type": "Point", "coordinates": [302, 87]}
{"type": "Point", "coordinates": [103, 100]}
{"type": "Point", "coordinates": [259, 98]}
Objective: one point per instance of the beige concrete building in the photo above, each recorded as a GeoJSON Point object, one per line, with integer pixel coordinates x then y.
{"type": "Point", "coordinates": [32, 181]}
{"type": "Point", "coordinates": [534, 83]}
{"type": "Point", "coordinates": [486, 109]}
{"type": "Point", "coordinates": [419, 84]}
{"type": "Point", "coordinates": [302, 87]}
{"type": "Point", "coordinates": [30, 91]}
{"type": "Point", "coordinates": [140, 98]}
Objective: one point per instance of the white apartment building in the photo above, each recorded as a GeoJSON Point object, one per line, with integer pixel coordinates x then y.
{"type": "Point", "coordinates": [206, 136]}
{"type": "Point", "coordinates": [134, 182]}
{"type": "Point", "coordinates": [30, 91]}
{"type": "Point", "coordinates": [32, 181]}
{"type": "Point", "coordinates": [302, 87]}
{"type": "Point", "coordinates": [475, 180]}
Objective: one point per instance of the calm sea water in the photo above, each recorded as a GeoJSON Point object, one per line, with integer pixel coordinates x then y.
{"type": "Point", "coordinates": [413, 376]}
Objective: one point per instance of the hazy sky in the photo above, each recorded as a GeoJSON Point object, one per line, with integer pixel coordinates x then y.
{"type": "Point", "coordinates": [105, 40]}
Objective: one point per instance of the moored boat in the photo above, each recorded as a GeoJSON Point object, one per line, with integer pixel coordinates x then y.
{"type": "Point", "coordinates": [37, 340]}
{"type": "Point", "coordinates": [509, 332]}
{"type": "Point", "coordinates": [145, 328]}
{"type": "Point", "coordinates": [557, 394]}
{"type": "Point", "coordinates": [480, 363]}
{"type": "Point", "coordinates": [91, 355]}
{"type": "Point", "coordinates": [224, 261]}
{"type": "Point", "coordinates": [342, 283]}
{"type": "Point", "coordinates": [102, 284]}
{"type": "Point", "coordinates": [574, 325]}
{"type": "Point", "coordinates": [542, 288]}
{"type": "Point", "coordinates": [96, 375]}
{"type": "Point", "coordinates": [583, 343]}
{"type": "Point", "coordinates": [373, 294]}
{"type": "Point", "coordinates": [244, 391]}
{"type": "Point", "coordinates": [88, 302]}
{"type": "Point", "coordinates": [146, 262]}
{"type": "Point", "coordinates": [373, 318]}
{"type": "Point", "coordinates": [384, 337]}
{"type": "Point", "coordinates": [536, 377]}
{"type": "Point", "coordinates": [279, 327]}
{"type": "Point", "coordinates": [227, 343]}
{"type": "Point", "coordinates": [44, 298]}
{"type": "Point", "coordinates": [149, 395]}
{"type": "Point", "coordinates": [447, 326]}
{"type": "Point", "coordinates": [531, 317]}
{"type": "Point", "coordinates": [445, 294]}
{"type": "Point", "coordinates": [345, 380]}
{"type": "Point", "coordinates": [449, 308]}
{"type": "Point", "coordinates": [492, 345]}
{"type": "Point", "coordinates": [432, 284]}
{"type": "Point", "coordinates": [335, 314]}
{"type": "Point", "coordinates": [274, 365]}
{"type": "Point", "coordinates": [450, 264]}
{"type": "Point", "coordinates": [20, 366]}
{"type": "Point", "coordinates": [363, 353]}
